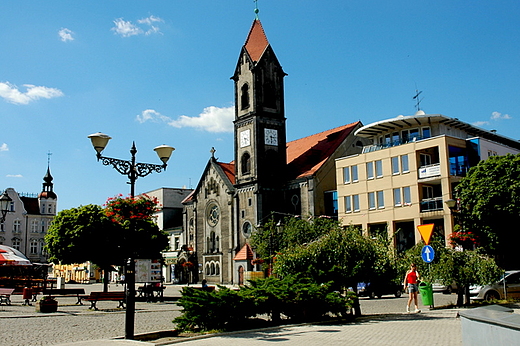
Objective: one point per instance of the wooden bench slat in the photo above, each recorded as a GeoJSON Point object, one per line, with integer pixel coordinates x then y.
{"type": "Point", "coordinates": [94, 297]}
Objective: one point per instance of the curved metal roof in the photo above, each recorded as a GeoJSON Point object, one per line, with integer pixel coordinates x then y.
{"type": "Point", "coordinates": [420, 119]}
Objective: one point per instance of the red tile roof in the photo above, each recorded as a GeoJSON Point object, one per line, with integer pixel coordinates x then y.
{"type": "Point", "coordinates": [244, 254]}
{"type": "Point", "coordinates": [306, 155]}
{"type": "Point", "coordinates": [256, 41]}
{"type": "Point", "coordinates": [229, 170]}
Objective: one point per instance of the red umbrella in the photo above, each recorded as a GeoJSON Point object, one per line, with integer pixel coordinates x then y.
{"type": "Point", "coordinates": [12, 257]}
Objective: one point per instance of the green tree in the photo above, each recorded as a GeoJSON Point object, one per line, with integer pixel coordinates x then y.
{"type": "Point", "coordinates": [490, 206]}
{"type": "Point", "coordinates": [106, 236]}
{"type": "Point", "coordinates": [84, 234]}
{"type": "Point", "coordinates": [335, 254]}
{"type": "Point", "coordinates": [464, 268]}
{"type": "Point", "coordinates": [135, 217]}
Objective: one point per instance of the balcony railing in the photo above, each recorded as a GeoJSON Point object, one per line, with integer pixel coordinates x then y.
{"type": "Point", "coordinates": [401, 141]}
{"type": "Point", "coordinates": [431, 204]}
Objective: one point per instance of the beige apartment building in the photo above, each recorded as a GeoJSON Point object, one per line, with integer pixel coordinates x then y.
{"type": "Point", "coordinates": [405, 177]}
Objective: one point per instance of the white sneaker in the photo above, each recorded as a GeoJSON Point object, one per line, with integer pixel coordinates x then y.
{"type": "Point", "coordinates": [407, 309]}
{"type": "Point", "coordinates": [417, 310]}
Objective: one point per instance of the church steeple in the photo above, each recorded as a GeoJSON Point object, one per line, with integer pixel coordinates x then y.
{"type": "Point", "coordinates": [260, 135]}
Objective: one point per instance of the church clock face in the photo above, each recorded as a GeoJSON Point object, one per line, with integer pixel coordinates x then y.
{"type": "Point", "coordinates": [271, 136]}
{"type": "Point", "coordinates": [245, 138]}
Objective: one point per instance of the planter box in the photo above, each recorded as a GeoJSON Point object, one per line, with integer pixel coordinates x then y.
{"type": "Point", "coordinates": [47, 306]}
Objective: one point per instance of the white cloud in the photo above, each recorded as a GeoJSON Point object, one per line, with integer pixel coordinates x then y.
{"type": "Point", "coordinates": [212, 119]}
{"type": "Point", "coordinates": [66, 34]}
{"type": "Point", "coordinates": [151, 115]}
{"type": "Point", "coordinates": [498, 116]}
{"type": "Point", "coordinates": [481, 123]}
{"type": "Point", "coordinates": [14, 176]}
{"type": "Point", "coordinates": [150, 20]}
{"type": "Point", "coordinates": [127, 28]}
{"type": "Point", "coordinates": [4, 147]}
{"type": "Point", "coordinates": [11, 93]}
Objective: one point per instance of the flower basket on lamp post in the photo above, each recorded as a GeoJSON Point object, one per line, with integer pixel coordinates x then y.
{"type": "Point", "coordinates": [47, 304]}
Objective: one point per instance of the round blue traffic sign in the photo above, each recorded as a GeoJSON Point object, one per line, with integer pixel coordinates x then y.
{"type": "Point", "coordinates": [427, 253]}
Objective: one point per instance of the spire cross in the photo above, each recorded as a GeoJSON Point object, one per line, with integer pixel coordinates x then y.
{"type": "Point", "coordinates": [256, 8]}
{"type": "Point", "coordinates": [49, 158]}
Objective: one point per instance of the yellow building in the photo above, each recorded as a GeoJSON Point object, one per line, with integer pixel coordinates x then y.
{"type": "Point", "coordinates": [407, 174]}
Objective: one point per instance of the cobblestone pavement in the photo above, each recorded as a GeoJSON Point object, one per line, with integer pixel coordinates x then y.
{"type": "Point", "coordinates": [385, 323]}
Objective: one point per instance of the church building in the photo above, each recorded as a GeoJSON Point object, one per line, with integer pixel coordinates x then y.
{"type": "Point", "coordinates": [269, 177]}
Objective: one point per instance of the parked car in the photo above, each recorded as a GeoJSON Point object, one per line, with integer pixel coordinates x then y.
{"type": "Point", "coordinates": [373, 290]}
{"type": "Point", "coordinates": [448, 289]}
{"type": "Point", "coordinates": [508, 285]}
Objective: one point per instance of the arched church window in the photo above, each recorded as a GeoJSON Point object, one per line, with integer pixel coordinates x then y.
{"type": "Point", "coordinates": [244, 96]}
{"type": "Point", "coordinates": [212, 268]}
{"type": "Point", "coordinates": [213, 239]}
{"type": "Point", "coordinates": [217, 269]}
{"type": "Point", "coordinates": [246, 163]}
{"type": "Point", "coordinates": [207, 269]}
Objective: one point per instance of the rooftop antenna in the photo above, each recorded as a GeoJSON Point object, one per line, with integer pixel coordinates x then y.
{"type": "Point", "coordinates": [417, 99]}
{"type": "Point", "coordinates": [256, 9]}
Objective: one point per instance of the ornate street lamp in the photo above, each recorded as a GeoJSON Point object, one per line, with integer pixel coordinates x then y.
{"type": "Point", "coordinates": [133, 170]}
{"type": "Point", "coordinates": [5, 206]}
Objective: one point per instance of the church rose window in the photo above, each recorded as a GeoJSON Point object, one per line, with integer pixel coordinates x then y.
{"type": "Point", "coordinates": [213, 215]}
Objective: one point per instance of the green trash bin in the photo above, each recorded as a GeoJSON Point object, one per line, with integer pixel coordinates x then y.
{"type": "Point", "coordinates": [426, 292]}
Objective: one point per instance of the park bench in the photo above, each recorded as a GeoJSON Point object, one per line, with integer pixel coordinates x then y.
{"type": "Point", "coordinates": [151, 292]}
{"type": "Point", "coordinates": [79, 293]}
{"type": "Point", "coordinates": [94, 297]}
{"type": "Point", "coordinates": [5, 295]}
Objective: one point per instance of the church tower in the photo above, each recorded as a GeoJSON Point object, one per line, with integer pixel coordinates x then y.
{"type": "Point", "coordinates": [260, 135]}
{"type": "Point", "coordinates": [47, 199]}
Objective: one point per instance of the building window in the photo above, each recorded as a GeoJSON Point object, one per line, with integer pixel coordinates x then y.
{"type": "Point", "coordinates": [348, 204]}
{"type": "Point", "coordinates": [244, 96]}
{"type": "Point", "coordinates": [395, 165]}
{"type": "Point", "coordinates": [34, 247]}
{"type": "Point", "coordinates": [331, 203]}
{"type": "Point", "coordinates": [370, 170]}
{"type": "Point", "coordinates": [213, 214]}
{"type": "Point", "coordinates": [346, 175]}
{"type": "Point", "coordinates": [397, 197]}
{"type": "Point", "coordinates": [16, 226]}
{"type": "Point", "coordinates": [246, 163]}
{"type": "Point", "coordinates": [16, 243]}
{"type": "Point", "coordinates": [426, 132]}
{"type": "Point", "coordinates": [405, 167]}
{"type": "Point", "coordinates": [355, 202]}
{"type": "Point", "coordinates": [379, 168]}
{"type": "Point", "coordinates": [426, 160]}
{"type": "Point", "coordinates": [354, 172]}
{"type": "Point", "coordinates": [43, 208]}
{"type": "Point", "coordinates": [380, 199]}
{"type": "Point", "coordinates": [407, 197]}
{"type": "Point", "coordinates": [247, 229]}
{"type": "Point", "coordinates": [372, 200]}
{"type": "Point", "coordinates": [34, 226]}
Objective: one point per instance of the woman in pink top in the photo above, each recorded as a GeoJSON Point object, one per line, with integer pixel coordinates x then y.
{"type": "Point", "coordinates": [411, 283]}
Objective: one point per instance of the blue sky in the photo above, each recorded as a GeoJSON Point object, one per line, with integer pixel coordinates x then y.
{"type": "Point", "coordinates": [157, 72]}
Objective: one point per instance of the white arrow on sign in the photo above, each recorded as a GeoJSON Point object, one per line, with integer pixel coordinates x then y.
{"type": "Point", "coordinates": [427, 252]}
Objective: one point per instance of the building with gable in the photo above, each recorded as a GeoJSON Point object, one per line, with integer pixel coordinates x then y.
{"type": "Point", "coordinates": [269, 176]}
{"type": "Point", "coordinates": [29, 219]}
